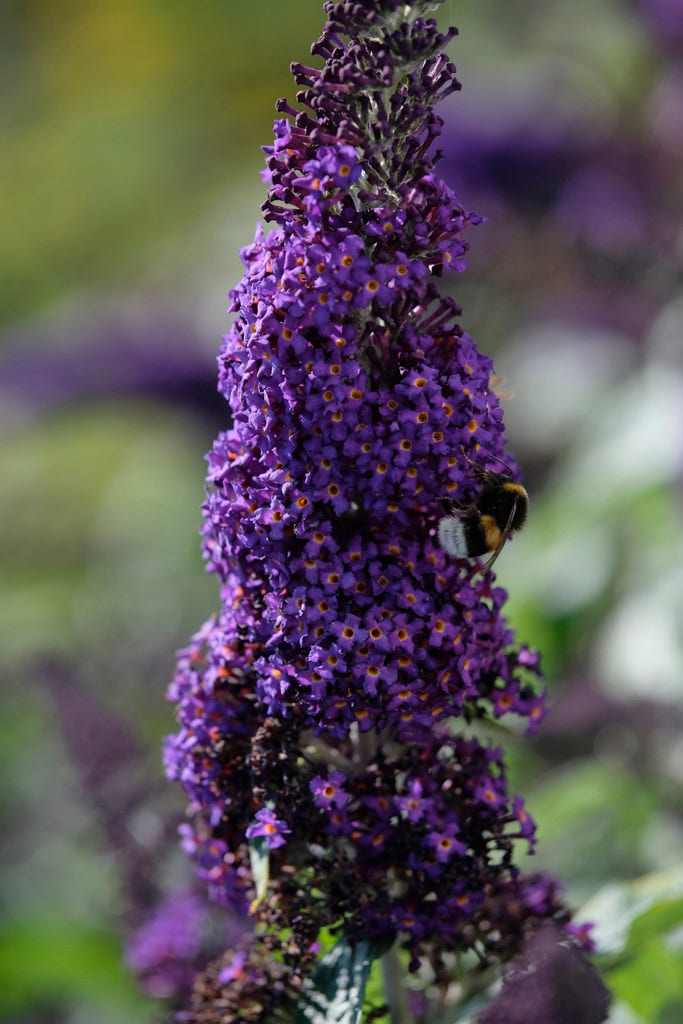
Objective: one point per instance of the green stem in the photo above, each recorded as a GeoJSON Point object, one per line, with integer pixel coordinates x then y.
{"type": "Point", "coordinates": [395, 990]}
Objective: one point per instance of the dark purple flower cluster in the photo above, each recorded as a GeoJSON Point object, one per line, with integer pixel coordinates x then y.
{"type": "Point", "coordinates": [313, 710]}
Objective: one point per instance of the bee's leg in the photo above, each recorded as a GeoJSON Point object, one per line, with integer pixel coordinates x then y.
{"type": "Point", "coordinates": [503, 537]}
{"type": "Point", "coordinates": [451, 508]}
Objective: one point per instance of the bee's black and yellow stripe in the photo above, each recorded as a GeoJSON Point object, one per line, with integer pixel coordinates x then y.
{"type": "Point", "coordinates": [477, 529]}
{"type": "Point", "coordinates": [485, 522]}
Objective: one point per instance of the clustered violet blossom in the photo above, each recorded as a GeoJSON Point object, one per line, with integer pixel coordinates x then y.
{"type": "Point", "coordinates": [316, 709]}
{"type": "Point", "coordinates": [163, 950]}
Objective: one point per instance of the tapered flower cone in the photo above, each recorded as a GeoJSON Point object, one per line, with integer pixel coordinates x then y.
{"type": "Point", "coordinates": [317, 709]}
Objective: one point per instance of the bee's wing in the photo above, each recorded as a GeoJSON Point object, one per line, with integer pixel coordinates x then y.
{"type": "Point", "coordinates": [503, 537]}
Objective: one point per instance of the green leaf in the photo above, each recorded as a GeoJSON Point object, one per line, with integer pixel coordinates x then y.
{"type": "Point", "coordinates": [50, 964]}
{"type": "Point", "coordinates": [648, 976]}
{"type": "Point", "coordinates": [649, 982]}
{"type": "Point", "coordinates": [336, 991]}
{"type": "Point", "coordinates": [605, 810]}
{"type": "Point", "coordinates": [642, 963]}
{"type": "Point", "coordinates": [662, 917]}
{"type": "Point", "coordinates": [628, 914]}
{"type": "Point", "coordinates": [259, 855]}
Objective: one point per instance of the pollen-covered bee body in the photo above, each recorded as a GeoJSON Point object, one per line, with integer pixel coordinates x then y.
{"type": "Point", "coordinates": [483, 526]}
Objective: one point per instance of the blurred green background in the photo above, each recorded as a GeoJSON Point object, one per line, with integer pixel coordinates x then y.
{"type": "Point", "coordinates": [130, 142]}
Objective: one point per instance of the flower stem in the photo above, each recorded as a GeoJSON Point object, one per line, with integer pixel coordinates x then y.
{"type": "Point", "coordinates": [395, 990]}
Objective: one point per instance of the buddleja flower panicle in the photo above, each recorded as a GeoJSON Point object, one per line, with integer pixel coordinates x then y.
{"type": "Point", "coordinates": [316, 709]}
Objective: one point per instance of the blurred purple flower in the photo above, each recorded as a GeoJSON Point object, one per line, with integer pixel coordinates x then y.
{"type": "Point", "coordinates": [605, 209]}
{"type": "Point", "coordinates": [109, 354]}
{"type": "Point", "coordinates": [665, 19]}
{"type": "Point", "coordinates": [164, 950]}
{"type": "Point", "coordinates": [516, 147]}
{"type": "Point", "coordinates": [235, 968]}
{"type": "Point", "coordinates": [114, 776]}
{"type": "Point", "coordinates": [168, 936]}
{"type": "Point", "coordinates": [552, 981]}
{"type": "Point", "coordinates": [665, 118]}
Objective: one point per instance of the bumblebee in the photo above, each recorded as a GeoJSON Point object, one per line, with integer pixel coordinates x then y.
{"type": "Point", "coordinates": [483, 526]}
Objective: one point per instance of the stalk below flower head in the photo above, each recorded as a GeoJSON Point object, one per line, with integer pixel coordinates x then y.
{"type": "Point", "coordinates": [316, 708]}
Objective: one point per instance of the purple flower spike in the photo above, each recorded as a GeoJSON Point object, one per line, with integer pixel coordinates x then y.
{"type": "Point", "coordinates": [319, 704]}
